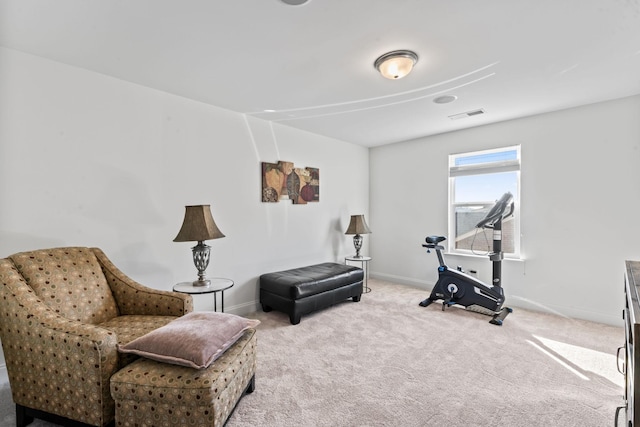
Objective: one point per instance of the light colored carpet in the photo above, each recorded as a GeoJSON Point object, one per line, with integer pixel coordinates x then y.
{"type": "Point", "coordinates": [386, 361]}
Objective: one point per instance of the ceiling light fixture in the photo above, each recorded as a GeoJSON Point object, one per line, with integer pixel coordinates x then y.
{"type": "Point", "coordinates": [294, 2]}
{"type": "Point", "coordinates": [397, 64]}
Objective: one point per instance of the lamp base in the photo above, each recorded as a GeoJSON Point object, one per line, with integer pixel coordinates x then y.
{"type": "Point", "coordinates": [357, 243]}
{"type": "Point", "coordinates": [201, 260]}
{"type": "Point", "coordinates": [201, 282]}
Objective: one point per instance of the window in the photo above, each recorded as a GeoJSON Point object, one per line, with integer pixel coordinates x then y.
{"type": "Point", "coordinates": [476, 180]}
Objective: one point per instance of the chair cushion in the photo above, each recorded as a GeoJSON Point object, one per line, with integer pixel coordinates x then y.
{"type": "Point", "coordinates": [194, 340]}
{"type": "Point", "coordinates": [128, 328]}
{"type": "Point", "coordinates": [70, 281]}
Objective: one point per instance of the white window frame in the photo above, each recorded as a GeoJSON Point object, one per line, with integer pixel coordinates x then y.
{"type": "Point", "coordinates": [480, 169]}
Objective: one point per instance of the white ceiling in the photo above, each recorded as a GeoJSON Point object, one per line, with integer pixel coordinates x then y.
{"type": "Point", "coordinates": [311, 66]}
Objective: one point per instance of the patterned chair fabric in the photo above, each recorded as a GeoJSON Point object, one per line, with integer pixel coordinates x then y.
{"type": "Point", "coordinates": [62, 313]}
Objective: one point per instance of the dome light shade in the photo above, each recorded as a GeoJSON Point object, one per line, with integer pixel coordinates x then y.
{"type": "Point", "coordinates": [397, 64]}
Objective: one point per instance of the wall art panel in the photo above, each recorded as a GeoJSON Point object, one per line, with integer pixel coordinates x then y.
{"type": "Point", "coordinates": [282, 181]}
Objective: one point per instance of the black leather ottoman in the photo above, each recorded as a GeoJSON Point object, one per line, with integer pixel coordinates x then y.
{"type": "Point", "coordinates": [304, 290]}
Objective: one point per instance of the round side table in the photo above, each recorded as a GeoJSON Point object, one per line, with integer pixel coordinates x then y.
{"type": "Point", "coordinates": [364, 264]}
{"type": "Point", "coordinates": [218, 284]}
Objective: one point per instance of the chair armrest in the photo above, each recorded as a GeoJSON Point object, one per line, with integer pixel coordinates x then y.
{"type": "Point", "coordinates": [53, 361]}
{"type": "Point", "coordinates": [134, 298]}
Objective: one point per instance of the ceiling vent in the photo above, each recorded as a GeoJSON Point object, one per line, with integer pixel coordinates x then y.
{"type": "Point", "coordinates": [467, 114]}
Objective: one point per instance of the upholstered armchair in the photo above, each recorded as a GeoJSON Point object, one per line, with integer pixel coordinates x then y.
{"type": "Point", "coordinates": [63, 312]}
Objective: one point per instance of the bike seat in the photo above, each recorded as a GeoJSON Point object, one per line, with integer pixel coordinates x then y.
{"type": "Point", "coordinates": [435, 239]}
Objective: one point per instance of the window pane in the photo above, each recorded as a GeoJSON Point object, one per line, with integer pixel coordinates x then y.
{"type": "Point", "coordinates": [485, 188]}
{"type": "Point", "coordinates": [476, 181]}
{"type": "Point", "coordinates": [481, 240]}
{"type": "Point", "coordinates": [487, 157]}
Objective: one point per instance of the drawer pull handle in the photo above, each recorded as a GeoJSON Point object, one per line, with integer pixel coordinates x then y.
{"type": "Point", "coordinates": [620, 361]}
{"type": "Point", "coordinates": [618, 409]}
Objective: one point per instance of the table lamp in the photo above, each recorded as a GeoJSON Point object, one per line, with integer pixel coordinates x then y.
{"type": "Point", "coordinates": [357, 226]}
{"type": "Point", "coordinates": [198, 226]}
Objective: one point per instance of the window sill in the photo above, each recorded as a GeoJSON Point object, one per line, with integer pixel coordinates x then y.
{"type": "Point", "coordinates": [485, 256]}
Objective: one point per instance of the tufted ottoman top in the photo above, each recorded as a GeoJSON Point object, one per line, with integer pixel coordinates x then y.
{"type": "Point", "coordinates": [314, 279]}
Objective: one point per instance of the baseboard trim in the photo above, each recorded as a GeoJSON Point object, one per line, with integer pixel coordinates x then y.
{"type": "Point", "coordinates": [243, 309]}
{"type": "Point", "coordinates": [514, 301]}
{"type": "Point", "coordinates": [564, 311]}
{"type": "Point", "coordinates": [402, 280]}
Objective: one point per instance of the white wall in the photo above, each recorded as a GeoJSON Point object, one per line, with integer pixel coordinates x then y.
{"type": "Point", "coordinates": [90, 160]}
{"type": "Point", "coordinates": [580, 185]}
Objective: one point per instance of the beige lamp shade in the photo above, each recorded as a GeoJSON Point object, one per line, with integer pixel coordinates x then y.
{"type": "Point", "coordinates": [198, 225]}
{"type": "Point", "coordinates": [358, 225]}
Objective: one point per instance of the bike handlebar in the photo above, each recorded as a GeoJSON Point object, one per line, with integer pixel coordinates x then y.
{"type": "Point", "coordinates": [498, 211]}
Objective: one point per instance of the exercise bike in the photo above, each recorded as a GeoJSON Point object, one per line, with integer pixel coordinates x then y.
{"type": "Point", "coordinates": [456, 287]}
